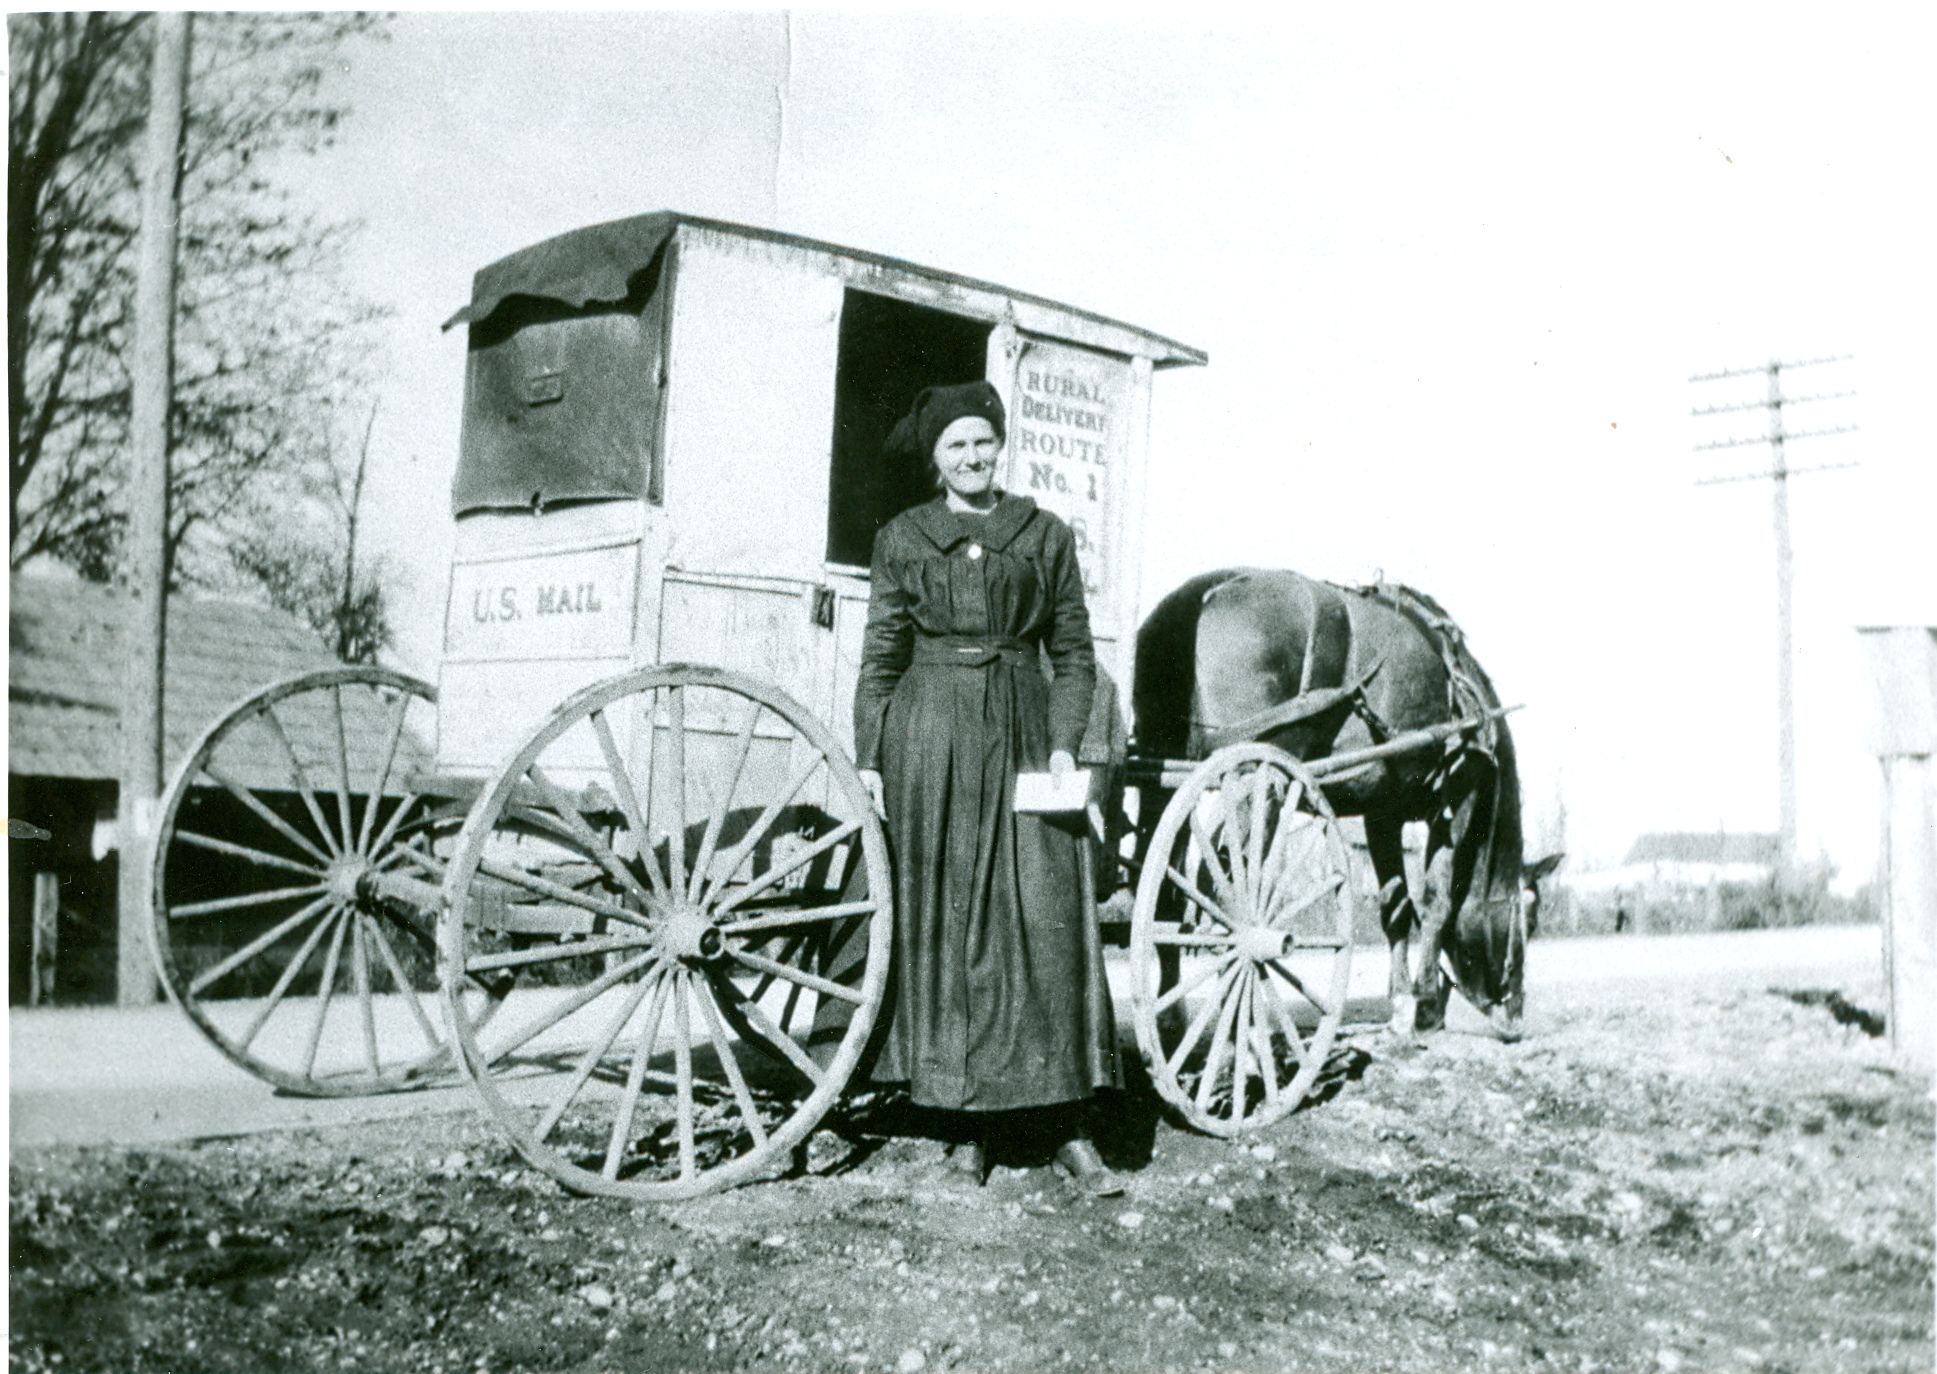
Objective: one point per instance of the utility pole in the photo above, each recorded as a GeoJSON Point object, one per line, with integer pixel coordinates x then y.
{"type": "Point", "coordinates": [151, 374]}
{"type": "Point", "coordinates": [1779, 473]}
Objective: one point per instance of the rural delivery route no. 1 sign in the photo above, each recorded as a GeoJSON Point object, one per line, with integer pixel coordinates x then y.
{"type": "Point", "coordinates": [1067, 422]}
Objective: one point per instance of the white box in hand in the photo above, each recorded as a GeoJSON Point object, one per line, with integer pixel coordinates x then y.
{"type": "Point", "coordinates": [1053, 791]}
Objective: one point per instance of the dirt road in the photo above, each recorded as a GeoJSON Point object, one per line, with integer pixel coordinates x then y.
{"type": "Point", "coordinates": [143, 1076]}
{"type": "Point", "coordinates": [1679, 1170]}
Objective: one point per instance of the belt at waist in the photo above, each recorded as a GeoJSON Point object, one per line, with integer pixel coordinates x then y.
{"type": "Point", "coordinates": [966, 651]}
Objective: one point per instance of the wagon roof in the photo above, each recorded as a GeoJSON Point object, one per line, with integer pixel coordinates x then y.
{"type": "Point", "coordinates": [596, 263]}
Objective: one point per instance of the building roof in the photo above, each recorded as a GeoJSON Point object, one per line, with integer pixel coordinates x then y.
{"type": "Point", "coordinates": [66, 677]}
{"type": "Point", "coordinates": [1705, 847]}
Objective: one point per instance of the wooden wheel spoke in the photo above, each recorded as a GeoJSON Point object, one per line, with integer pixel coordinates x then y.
{"type": "Point", "coordinates": [208, 976]}
{"type": "Point", "coordinates": [1242, 1045]}
{"type": "Point", "coordinates": [1298, 983]}
{"type": "Point", "coordinates": [1207, 855]}
{"type": "Point", "coordinates": [1185, 989]}
{"type": "Point", "coordinates": [389, 831]}
{"type": "Point", "coordinates": [258, 857]}
{"type": "Point", "coordinates": [402, 980]}
{"type": "Point", "coordinates": [552, 1016]}
{"type": "Point", "coordinates": [1229, 837]}
{"type": "Point", "coordinates": [683, 1071]}
{"type": "Point", "coordinates": [360, 971]}
{"type": "Point", "coordinates": [553, 953]}
{"type": "Point", "coordinates": [797, 976]}
{"type": "Point", "coordinates": [247, 899]}
{"type": "Point", "coordinates": [1254, 833]}
{"type": "Point", "coordinates": [283, 980]}
{"type": "Point", "coordinates": [676, 754]}
{"type": "Point", "coordinates": [300, 777]}
{"type": "Point", "coordinates": [755, 832]}
{"type": "Point", "coordinates": [799, 861]}
{"type": "Point", "coordinates": [411, 854]}
{"type": "Point", "coordinates": [761, 1022]}
{"type": "Point", "coordinates": [635, 817]}
{"type": "Point", "coordinates": [791, 947]}
{"type": "Point", "coordinates": [325, 990]}
{"type": "Point", "coordinates": [722, 804]}
{"type": "Point", "coordinates": [1221, 1038]}
{"type": "Point", "coordinates": [558, 892]}
{"type": "Point", "coordinates": [635, 1080]}
{"type": "Point", "coordinates": [716, 1031]}
{"type": "Point", "coordinates": [1279, 861]}
{"type": "Point", "coordinates": [342, 765]}
{"type": "Point", "coordinates": [1199, 900]}
{"type": "Point", "coordinates": [797, 916]}
{"type": "Point", "coordinates": [1287, 1024]}
{"type": "Point", "coordinates": [585, 836]}
{"type": "Point", "coordinates": [1298, 852]}
{"type": "Point", "coordinates": [375, 797]}
{"type": "Point", "coordinates": [1200, 1022]}
{"type": "Point", "coordinates": [595, 1055]}
{"type": "Point", "coordinates": [1260, 1027]}
{"type": "Point", "coordinates": [266, 816]}
{"type": "Point", "coordinates": [1329, 888]}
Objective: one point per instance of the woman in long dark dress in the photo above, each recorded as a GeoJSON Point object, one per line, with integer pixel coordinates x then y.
{"type": "Point", "coordinates": [1000, 1000]}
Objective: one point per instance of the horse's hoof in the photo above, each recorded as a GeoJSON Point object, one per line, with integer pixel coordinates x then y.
{"type": "Point", "coordinates": [1506, 1025]}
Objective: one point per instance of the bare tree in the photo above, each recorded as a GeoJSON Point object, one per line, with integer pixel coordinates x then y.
{"type": "Point", "coordinates": [309, 564]}
{"type": "Point", "coordinates": [272, 347]}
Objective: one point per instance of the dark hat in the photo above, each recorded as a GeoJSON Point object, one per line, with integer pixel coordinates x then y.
{"type": "Point", "coordinates": [938, 407]}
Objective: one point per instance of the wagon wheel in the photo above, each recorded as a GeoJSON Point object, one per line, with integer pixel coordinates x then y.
{"type": "Point", "coordinates": [267, 922]}
{"type": "Point", "coordinates": [1249, 877]}
{"type": "Point", "coordinates": [700, 886]}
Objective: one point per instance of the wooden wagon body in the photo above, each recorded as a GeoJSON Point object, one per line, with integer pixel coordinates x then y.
{"type": "Point", "coordinates": [672, 453]}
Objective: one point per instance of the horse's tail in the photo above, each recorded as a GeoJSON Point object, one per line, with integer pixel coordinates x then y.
{"type": "Point", "coordinates": [1488, 942]}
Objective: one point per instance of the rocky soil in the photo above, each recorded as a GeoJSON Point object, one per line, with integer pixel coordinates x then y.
{"type": "Point", "coordinates": [1719, 1179]}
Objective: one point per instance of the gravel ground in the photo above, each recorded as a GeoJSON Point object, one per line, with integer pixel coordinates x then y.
{"type": "Point", "coordinates": [1726, 1178]}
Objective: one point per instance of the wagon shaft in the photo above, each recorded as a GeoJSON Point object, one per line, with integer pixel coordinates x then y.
{"type": "Point", "coordinates": [1171, 773]}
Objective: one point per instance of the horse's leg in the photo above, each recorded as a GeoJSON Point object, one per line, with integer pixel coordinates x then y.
{"type": "Point", "coordinates": [1430, 986]}
{"type": "Point", "coordinates": [1385, 839]}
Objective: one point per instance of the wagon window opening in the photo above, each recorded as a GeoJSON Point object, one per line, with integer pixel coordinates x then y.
{"type": "Point", "coordinates": [889, 351]}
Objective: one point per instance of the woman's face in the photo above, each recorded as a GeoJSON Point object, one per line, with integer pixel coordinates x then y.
{"type": "Point", "coordinates": [965, 454]}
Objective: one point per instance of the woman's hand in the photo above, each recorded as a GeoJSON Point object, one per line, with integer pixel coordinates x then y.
{"type": "Point", "coordinates": [871, 779]}
{"type": "Point", "coordinates": [1061, 762]}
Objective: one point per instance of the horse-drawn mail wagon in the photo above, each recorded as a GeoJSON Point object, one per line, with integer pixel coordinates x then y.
{"type": "Point", "coordinates": [623, 833]}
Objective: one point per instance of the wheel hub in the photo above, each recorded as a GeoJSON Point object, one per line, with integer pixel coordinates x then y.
{"type": "Point", "coordinates": [345, 877]}
{"type": "Point", "coordinates": [1262, 942]}
{"type": "Point", "coordinates": [687, 934]}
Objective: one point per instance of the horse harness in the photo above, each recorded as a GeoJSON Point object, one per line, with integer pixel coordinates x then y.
{"type": "Point", "coordinates": [1324, 700]}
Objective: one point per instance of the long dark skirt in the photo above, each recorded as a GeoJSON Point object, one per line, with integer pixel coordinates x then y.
{"type": "Point", "coordinates": [999, 997]}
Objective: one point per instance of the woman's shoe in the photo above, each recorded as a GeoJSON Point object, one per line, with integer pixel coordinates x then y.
{"type": "Point", "coordinates": [968, 1160]}
{"type": "Point", "coordinates": [1087, 1170]}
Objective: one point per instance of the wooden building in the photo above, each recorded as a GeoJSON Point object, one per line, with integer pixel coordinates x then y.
{"type": "Point", "coordinates": [65, 680]}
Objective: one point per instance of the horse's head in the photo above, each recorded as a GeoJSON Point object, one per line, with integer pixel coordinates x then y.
{"type": "Point", "coordinates": [1517, 913]}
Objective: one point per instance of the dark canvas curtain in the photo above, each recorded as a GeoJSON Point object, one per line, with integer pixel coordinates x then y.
{"type": "Point", "coordinates": [561, 398]}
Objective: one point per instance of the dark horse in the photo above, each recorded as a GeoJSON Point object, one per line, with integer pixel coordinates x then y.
{"type": "Point", "coordinates": [1318, 669]}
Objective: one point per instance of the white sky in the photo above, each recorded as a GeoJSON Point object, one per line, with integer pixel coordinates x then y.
{"type": "Point", "coordinates": [1453, 267]}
